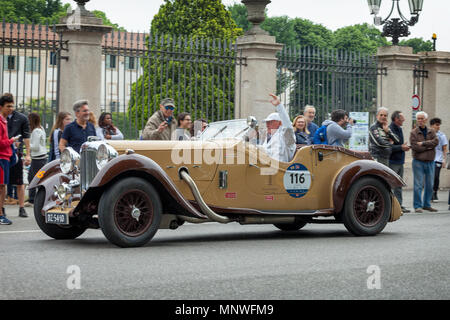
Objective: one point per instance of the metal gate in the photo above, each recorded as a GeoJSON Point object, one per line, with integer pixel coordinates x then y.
{"type": "Point", "coordinates": [327, 79]}
{"type": "Point", "coordinates": [140, 69]}
{"type": "Point", "coordinates": [29, 68]}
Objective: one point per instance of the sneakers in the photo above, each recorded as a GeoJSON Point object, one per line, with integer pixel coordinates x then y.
{"type": "Point", "coordinates": [23, 213]}
{"type": "Point", "coordinates": [404, 210]}
{"type": "Point", "coordinates": [418, 210]}
{"type": "Point", "coordinates": [4, 221]}
{"type": "Point", "coordinates": [430, 209]}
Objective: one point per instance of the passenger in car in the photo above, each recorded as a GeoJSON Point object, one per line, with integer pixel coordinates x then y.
{"type": "Point", "coordinates": [301, 131]}
{"type": "Point", "coordinates": [280, 140]}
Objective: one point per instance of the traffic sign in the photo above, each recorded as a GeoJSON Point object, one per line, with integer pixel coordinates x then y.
{"type": "Point", "coordinates": [415, 102]}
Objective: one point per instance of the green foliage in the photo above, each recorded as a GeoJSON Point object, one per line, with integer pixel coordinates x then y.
{"type": "Point", "coordinates": [198, 18]}
{"type": "Point", "coordinates": [181, 66]}
{"type": "Point", "coordinates": [311, 34]}
{"type": "Point", "coordinates": [29, 11]}
{"type": "Point", "coordinates": [360, 37]}
{"type": "Point", "coordinates": [42, 11]}
{"type": "Point", "coordinates": [282, 28]}
{"type": "Point", "coordinates": [239, 15]}
{"type": "Point", "coordinates": [418, 44]}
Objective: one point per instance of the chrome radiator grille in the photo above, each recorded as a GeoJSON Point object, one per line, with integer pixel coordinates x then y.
{"type": "Point", "coordinates": [88, 167]}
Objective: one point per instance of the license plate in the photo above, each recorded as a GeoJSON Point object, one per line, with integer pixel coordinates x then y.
{"type": "Point", "coordinates": [57, 218]}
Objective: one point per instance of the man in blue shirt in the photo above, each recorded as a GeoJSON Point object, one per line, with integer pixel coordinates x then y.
{"type": "Point", "coordinates": [310, 114]}
{"type": "Point", "coordinates": [77, 132]}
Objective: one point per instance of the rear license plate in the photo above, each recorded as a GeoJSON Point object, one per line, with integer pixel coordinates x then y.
{"type": "Point", "coordinates": [57, 218]}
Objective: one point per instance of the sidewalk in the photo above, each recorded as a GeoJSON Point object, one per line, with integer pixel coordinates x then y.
{"type": "Point", "coordinates": [441, 204]}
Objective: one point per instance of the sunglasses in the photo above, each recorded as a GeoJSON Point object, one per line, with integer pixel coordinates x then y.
{"type": "Point", "coordinates": [170, 108]}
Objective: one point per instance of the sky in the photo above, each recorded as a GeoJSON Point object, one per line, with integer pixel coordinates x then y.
{"type": "Point", "coordinates": [136, 15]}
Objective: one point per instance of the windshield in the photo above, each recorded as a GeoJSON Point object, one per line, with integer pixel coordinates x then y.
{"type": "Point", "coordinates": [225, 130]}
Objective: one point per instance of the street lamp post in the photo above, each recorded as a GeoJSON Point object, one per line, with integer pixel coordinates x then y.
{"type": "Point", "coordinates": [396, 27]}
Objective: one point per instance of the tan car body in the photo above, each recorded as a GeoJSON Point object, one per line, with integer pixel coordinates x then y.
{"type": "Point", "coordinates": [248, 192]}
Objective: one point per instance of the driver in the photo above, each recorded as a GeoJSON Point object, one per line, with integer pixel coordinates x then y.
{"type": "Point", "coordinates": [280, 140]}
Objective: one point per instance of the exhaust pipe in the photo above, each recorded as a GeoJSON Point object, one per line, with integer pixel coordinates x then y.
{"type": "Point", "coordinates": [203, 206]}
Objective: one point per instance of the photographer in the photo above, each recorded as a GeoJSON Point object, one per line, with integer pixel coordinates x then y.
{"type": "Point", "coordinates": [161, 124]}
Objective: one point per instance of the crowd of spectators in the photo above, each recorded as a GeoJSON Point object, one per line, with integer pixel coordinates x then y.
{"type": "Point", "coordinates": [387, 144]}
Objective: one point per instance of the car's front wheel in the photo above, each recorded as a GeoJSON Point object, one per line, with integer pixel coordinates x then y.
{"type": "Point", "coordinates": [52, 230]}
{"type": "Point", "coordinates": [130, 212]}
{"type": "Point", "coordinates": [367, 207]}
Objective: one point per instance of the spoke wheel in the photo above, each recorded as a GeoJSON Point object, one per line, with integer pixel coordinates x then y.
{"type": "Point", "coordinates": [130, 212]}
{"type": "Point", "coordinates": [367, 207]}
{"type": "Point", "coordinates": [133, 213]}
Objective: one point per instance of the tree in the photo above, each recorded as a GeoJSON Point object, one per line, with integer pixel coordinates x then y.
{"type": "Point", "coordinates": [361, 37]}
{"type": "Point", "coordinates": [310, 34]}
{"type": "Point", "coordinates": [32, 11]}
{"type": "Point", "coordinates": [177, 47]}
{"type": "Point", "coordinates": [418, 44]}
{"type": "Point", "coordinates": [41, 11]}
{"type": "Point", "coordinates": [198, 18]}
{"type": "Point", "coordinates": [239, 15]}
{"type": "Point", "coordinates": [282, 28]}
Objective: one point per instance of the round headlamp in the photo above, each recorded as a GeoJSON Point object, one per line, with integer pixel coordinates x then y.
{"type": "Point", "coordinates": [104, 154]}
{"type": "Point", "coordinates": [69, 158]}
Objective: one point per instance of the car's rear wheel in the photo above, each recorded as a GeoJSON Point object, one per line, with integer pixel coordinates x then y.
{"type": "Point", "coordinates": [130, 212]}
{"type": "Point", "coordinates": [290, 226]}
{"type": "Point", "coordinates": [367, 207]}
{"type": "Point", "coordinates": [52, 230]}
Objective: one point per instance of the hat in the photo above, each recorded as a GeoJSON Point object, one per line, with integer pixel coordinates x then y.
{"type": "Point", "coordinates": [168, 102]}
{"type": "Point", "coordinates": [273, 117]}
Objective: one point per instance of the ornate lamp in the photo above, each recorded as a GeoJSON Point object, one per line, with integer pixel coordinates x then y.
{"type": "Point", "coordinates": [256, 10]}
{"type": "Point", "coordinates": [396, 27]}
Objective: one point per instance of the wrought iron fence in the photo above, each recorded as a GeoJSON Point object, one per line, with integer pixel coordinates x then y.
{"type": "Point", "coordinates": [141, 69]}
{"type": "Point", "coordinates": [327, 79]}
{"type": "Point", "coordinates": [29, 67]}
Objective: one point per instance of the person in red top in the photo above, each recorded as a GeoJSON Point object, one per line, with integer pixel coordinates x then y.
{"type": "Point", "coordinates": [6, 101]}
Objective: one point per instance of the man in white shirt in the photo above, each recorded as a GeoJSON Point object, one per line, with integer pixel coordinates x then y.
{"type": "Point", "coordinates": [280, 140]}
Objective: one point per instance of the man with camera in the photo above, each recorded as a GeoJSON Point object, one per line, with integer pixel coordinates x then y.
{"type": "Point", "coordinates": [161, 125]}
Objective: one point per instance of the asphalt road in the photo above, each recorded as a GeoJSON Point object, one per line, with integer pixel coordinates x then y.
{"type": "Point", "coordinates": [212, 261]}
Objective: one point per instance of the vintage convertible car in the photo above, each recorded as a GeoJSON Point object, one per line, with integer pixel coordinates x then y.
{"type": "Point", "coordinates": [130, 189]}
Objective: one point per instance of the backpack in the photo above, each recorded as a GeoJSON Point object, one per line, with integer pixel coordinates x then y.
{"type": "Point", "coordinates": [320, 136]}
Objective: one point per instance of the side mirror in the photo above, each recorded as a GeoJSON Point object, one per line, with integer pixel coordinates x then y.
{"type": "Point", "coordinates": [252, 122]}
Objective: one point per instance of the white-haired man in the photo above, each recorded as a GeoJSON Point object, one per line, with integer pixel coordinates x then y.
{"type": "Point", "coordinates": [280, 140]}
{"type": "Point", "coordinates": [380, 136]}
{"type": "Point", "coordinates": [423, 143]}
{"type": "Point", "coordinates": [310, 114]}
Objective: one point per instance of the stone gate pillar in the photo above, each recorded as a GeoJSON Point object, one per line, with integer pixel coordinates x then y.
{"type": "Point", "coordinates": [437, 96]}
{"type": "Point", "coordinates": [81, 65]}
{"type": "Point", "coordinates": [256, 79]}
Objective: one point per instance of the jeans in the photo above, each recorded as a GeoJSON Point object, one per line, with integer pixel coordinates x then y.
{"type": "Point", "coordinates": [398, 169]}
{"type": "Point", "coordinates": [437, 172]}
{"type": "Point", "coordinates": [423, 175]}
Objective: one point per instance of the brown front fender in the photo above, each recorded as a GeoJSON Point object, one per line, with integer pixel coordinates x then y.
{"type": "Point", "coordinates": [146, 168]}
{"type": "Point", "coordinates": [357, 170]}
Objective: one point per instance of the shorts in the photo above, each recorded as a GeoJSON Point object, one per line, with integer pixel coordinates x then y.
{"type": "Point", "coordinates": [16, 173]}
{"type": "Point", "coordinates": [4, 172]}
